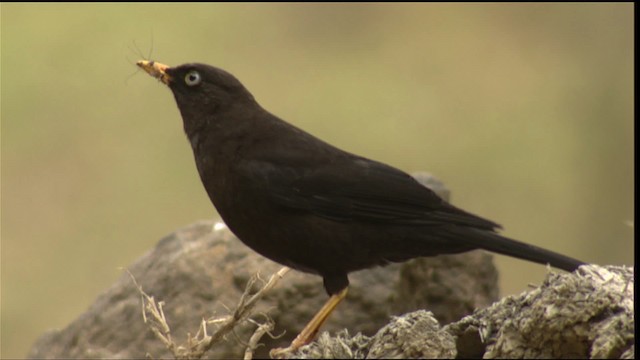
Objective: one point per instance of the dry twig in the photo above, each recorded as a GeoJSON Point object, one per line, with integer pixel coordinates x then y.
{"type": "Point", "coordinates": [262, 329]}
{"type": "Point", "coordinates": [198, 345]}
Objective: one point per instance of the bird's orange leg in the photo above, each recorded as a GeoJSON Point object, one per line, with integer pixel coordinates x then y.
{"type": "Point", "coordinates": [309, 332]}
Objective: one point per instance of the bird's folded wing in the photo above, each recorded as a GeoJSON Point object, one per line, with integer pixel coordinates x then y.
{"type": "Point", "coordinates": [358, 189]}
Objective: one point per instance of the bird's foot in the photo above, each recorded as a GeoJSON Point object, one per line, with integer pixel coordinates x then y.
{"type": "Point", "coordinates": [310, 331]}
{"type": "Point", "coordinates": [281, 353]}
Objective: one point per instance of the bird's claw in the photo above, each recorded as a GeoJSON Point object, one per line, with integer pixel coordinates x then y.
{"type": "Point", "coordinates": [281, 353]}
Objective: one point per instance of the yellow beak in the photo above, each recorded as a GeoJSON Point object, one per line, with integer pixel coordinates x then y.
{"type": "Point", "coordinates": [156, 70]}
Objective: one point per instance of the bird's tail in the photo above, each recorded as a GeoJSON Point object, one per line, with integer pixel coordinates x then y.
{"type": "Point", "coordinates": [493, 242]}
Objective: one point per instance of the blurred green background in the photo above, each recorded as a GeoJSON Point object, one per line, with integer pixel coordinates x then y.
{"type": "Point", "coordinates": [524, 110]}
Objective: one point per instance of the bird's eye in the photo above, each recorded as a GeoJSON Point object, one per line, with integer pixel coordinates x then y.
{"type": "Point", "coordinates": [192, 78]}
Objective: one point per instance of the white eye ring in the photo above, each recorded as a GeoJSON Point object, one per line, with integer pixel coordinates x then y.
{"type": "Point", "coordinates": [192, 78]}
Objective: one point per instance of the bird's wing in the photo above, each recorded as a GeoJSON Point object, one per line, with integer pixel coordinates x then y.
{"type": "Point", "coordinates": [357, 189]}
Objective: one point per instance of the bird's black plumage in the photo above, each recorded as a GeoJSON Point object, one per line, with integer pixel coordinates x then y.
{"type": "Point", "coordinates": [309, 205]}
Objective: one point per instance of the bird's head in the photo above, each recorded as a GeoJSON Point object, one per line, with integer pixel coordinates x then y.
{"type": "Point", "coordinates": [203, 92]}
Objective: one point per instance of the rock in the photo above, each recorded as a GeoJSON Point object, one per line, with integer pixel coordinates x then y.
{"type": "Point", "coordinates": [199, 273]}
{"type": "Point", "coordinates": [586, 314]}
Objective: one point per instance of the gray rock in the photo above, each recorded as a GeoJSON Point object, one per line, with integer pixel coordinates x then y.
{"type": "Point", "coordinates": [199, 273]}
{"type": "Point", "coordinates": [586, 314]}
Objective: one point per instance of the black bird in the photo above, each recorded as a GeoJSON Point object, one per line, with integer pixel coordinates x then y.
{"type": "Point", "coordinates": [308, 205]}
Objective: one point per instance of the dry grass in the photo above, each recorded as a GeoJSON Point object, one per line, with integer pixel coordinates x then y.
{"type": "Point", "coordinates": [196, 346]}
